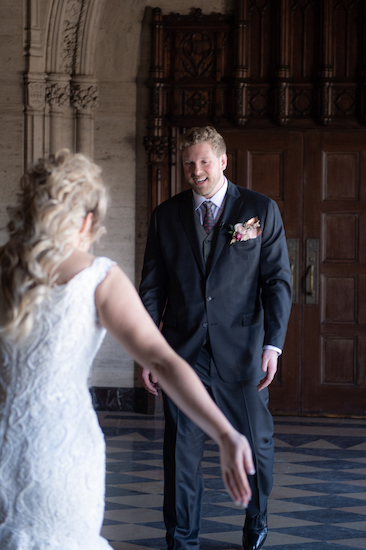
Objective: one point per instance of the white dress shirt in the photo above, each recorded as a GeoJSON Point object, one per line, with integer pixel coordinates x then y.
{"type": "Point", "coordinates": [218, 201]}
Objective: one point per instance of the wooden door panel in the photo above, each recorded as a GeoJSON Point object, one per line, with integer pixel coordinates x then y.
{"type": "Point", "coordinates": [272, 163]}
{"type": "Point", "coordinates": [334, 329]}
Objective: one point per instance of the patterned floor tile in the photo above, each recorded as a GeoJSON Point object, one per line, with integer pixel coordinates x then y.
{"type": "Point", "coordinates": [359, 543]}
{"type": "Point", "coordinates": [138, 501]}
{"type": "Point", "coordinates": [127, 546]}
{"type": "Point", "coordinates": [135, 515]}
{"type": "Point", "coordinates": [318, 500]}
{"type": "Point", "coordinates": [128, 531]}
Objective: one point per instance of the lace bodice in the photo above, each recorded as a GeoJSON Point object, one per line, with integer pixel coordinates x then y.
{"type": "Point", "coordinates": [52, 453]}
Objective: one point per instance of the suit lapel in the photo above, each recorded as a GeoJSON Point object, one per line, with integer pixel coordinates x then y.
{"type": "Point", "coordinates": [187, 217]}
{"type": "Point", "coordinates": [229, 216]}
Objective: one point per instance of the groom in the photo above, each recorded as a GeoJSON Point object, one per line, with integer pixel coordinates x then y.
{"type": "Point", "coordinates": [216, 273]}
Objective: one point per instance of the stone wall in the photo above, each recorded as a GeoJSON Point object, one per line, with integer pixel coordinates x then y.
{"type": "Point", "coordinates": [12, 65]}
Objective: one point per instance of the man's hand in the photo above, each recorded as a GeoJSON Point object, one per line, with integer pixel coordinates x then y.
{"type": "Point", "coordinates": [269, 365]}
{"type": "Point", "coordinates": [149, 381]}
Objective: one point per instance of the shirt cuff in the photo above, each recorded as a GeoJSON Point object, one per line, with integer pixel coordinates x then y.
{"type": "Point", "coordinates": [279, 351]}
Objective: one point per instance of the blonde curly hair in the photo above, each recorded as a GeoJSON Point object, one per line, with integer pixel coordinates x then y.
{"type": "Point", "coordinates": [56, 195]}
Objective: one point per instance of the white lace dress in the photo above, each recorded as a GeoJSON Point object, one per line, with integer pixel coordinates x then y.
{"type": "Point", "coordinates": [52, 450]}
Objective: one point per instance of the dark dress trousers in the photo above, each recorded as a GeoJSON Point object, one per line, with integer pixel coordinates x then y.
{"type": "Point", "coordinates": [220, 303]}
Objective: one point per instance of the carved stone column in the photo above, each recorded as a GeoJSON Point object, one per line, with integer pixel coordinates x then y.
{"type": "Point", "coordinates": [58, 100]}
{"type": "Point", "coordinates": [84, 98]}
{"type": "Point", "coordinates": [61, 49]}
{"type": "Point", "coordinates": [35, 89]}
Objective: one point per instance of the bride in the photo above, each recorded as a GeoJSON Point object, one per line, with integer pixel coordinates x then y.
{"type": "Point", "coordinates": [56, 303]}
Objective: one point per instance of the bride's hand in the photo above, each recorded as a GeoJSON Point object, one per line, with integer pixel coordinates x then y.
{"type": "Point", "coordinates": [236, 463]}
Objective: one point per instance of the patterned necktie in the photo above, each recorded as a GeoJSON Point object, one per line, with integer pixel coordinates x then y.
{"type": "Point", "coordinates": [208, 220]}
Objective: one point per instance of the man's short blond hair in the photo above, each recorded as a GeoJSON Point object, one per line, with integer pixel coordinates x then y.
{"type": "Point", "coordinates": [208, 134]}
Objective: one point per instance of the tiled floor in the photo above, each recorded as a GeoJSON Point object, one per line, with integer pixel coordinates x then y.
{"type": "Point", "coordinates": [318, 501]}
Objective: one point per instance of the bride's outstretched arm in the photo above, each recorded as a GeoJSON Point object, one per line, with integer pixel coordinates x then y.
{"type": "Point", "coordinates": [122, 313]}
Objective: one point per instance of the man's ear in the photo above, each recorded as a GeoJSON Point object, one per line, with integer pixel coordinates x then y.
{"type": "Point", "coordinates": [223, 162]}
{"type": "Point", "coordinates": [87, 224]}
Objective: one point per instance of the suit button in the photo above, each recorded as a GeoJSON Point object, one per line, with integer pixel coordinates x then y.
{"type": "Point", "coordinates": [209, 298]}
{"type": "Point", "coordinates": [205, 325]}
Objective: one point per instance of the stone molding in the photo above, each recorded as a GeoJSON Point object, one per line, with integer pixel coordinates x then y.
{"type": "Point", "coordinates": [84, 97]}
{"type": "Point", "coordinates": [58, 95]}
{"type": "Point", "coordinates": [74, 16]}
{"type": "Point", "coordinates": [36, 93]}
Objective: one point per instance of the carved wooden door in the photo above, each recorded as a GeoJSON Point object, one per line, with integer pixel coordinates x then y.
{"type": "Point", "coordinates": [315, 178]}
{"type": "Point", "coordinates": [284, 82]}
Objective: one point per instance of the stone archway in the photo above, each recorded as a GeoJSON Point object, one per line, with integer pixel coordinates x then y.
{"type": "Point", "coordinates": [61, 90]}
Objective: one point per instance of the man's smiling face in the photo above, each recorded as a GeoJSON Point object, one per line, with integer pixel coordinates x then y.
{"type": "Point", "coordinates": [203, 170]}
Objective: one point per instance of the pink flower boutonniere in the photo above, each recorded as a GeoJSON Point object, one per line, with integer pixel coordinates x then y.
{"type": "Point", "coordinates": [245, 231]}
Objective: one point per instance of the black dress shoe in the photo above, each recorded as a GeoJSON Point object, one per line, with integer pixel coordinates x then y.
{"type": "Point", "coordinates": [255, 531]}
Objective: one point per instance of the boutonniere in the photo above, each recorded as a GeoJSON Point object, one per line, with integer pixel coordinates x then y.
{"type": "Point", "coordinates": [245, 230]}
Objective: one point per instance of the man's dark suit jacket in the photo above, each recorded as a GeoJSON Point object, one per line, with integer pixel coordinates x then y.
{"type": "Point", "coordinates": [243, 302]}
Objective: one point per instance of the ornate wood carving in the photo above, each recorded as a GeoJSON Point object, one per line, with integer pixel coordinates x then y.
{"type": "Point", "coordinates": [299, 63]}
{"type": "Point", "coordinates": [156, 148]}
{"type": "Point", "coordinates": [240, 76]}
{"type": "Point", "coordinates": [283, 71]}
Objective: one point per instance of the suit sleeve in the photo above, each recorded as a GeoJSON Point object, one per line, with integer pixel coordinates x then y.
{"type": "Point", "coordinates": [153, 287]}
{"type": "Point", "coordinates": [275, 278]}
